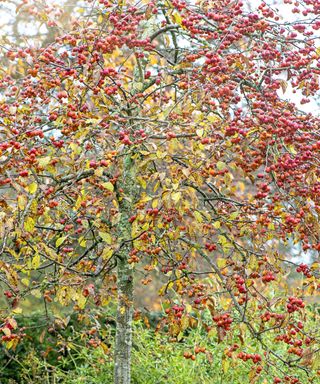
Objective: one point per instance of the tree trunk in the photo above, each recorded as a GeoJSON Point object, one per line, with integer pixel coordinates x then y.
{"type": "Point", "coordinates": [123, 341]}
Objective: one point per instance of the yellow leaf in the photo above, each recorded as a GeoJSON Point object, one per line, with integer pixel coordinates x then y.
{"type": "Point", "coordinates": [22, 202]}
{"type": "Point", "coordinates": [109, 186]}
{"type": "Point", "coordinates": [25, 282]}
{"type": "Point", "coordinates": [17, 310]}
{"type": "Point", "coordinates": [44, 161]}
{"type": "Point", "coordinates": [142, 182]}
{"type": "Point", "coordinates": [107, 253]}
{"type": "Point", "coordinates": [104, 347]}
{"type": "Point", "coordinates": [184, 322]}
{"type": "Point", "coordinates": [29, 224]}
{"type": "Point", "coordinates": [81, 301]}
{"type": "Point", "coordinates": [180, 336]}
{"type": "Point", "coordinates": [176, 196]}
{"type": "Point", "coordinates": [225, 365]}
{"type": "Point", "coordinates": [6, 331]}
{"type": "Point", "coordinates": [292, 149]}
{"type": "Point", "coordinates": [233, 215]}
{"type": "Point", "coordinates": [161, 155]}
{"type": "Point", "coordinates": [32, 188]}
{"type": "Point", "coordinates": [106, 237]}
{"type": "Point", "coordinates": [221, 263]}
{"type": "Point", "coordinates": [60, 240]}
{"type": "Point", "coordinates": [213, 118]}
{"type": "Point", "coordinates": [177, 17]}
{"type": "Point", "coordinates": [216, 225]}
{"type": "Point", "coordinates": [98, 172]}
{"type": "Point", "coordinates": [82, 241]}
{"type": "Point", "coordinates": [36, 261]}
{"type": "Point", "coordinates": [198, 216]}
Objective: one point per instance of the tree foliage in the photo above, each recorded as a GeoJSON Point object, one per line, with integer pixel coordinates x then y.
{"type": "Point", "coordinates": [159, 139]}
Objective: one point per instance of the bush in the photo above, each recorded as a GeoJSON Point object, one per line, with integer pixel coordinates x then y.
{"type": "Point", "coordinates": [67, 357]}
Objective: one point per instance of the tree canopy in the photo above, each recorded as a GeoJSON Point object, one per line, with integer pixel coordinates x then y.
{"type": "Point", "coordinates": [157, 140]}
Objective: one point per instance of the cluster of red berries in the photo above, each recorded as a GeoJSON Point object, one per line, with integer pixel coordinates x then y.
{"type": "Point", "coordinates": [210, 247]}
{"type": "Point", "coordinates": [255, 357]}
{"type": "Point", "coordinates": [223, 321]}
{"type": "Point", "coordinates": [152, 212]}
{"type": "Point", "coordinates": [295, 304]}
{"type": "Point", "coordinates": [133, 256]}
{"type": "Point", "coordinates": [305, 270]}
{"type": "Point", "coordinates": [267, 316]}
{"type": "Point", "coordinates": [267, 277]}
{"type": "Point", "coordinates": [178, 310]}
{"type": "Point", "coordinates": [240, 284]}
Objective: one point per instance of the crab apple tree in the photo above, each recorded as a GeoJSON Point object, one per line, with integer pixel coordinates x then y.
{"type": "Point", "coordinates": [160, 139]}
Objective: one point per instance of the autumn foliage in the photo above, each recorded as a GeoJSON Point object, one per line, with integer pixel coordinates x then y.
{"type": "Point", "coordinates": [160, 141]}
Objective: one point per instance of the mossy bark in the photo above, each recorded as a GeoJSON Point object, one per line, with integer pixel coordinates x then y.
{"type": "Point", "coordinates": [126, 187]}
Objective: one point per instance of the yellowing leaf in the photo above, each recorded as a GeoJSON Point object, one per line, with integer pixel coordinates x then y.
{"type": "Point", "coordinates": [32, 188]}
{"type": "Point", "coordinates": [44, 161]}
{"type": "Point", "coordinates": [106, 237]}
{"type": "Point", "coordinates": [109, 186]}
{"type": "Point", "coordinates": [198, 216]}
{"type": "Point", "coordinates": [60, 240]}
{"type": "Point", "coordinates": [292, 149]}
{"type": "Point", "coordinates": [36, 261]}
{"type": "Point", "coordinates": [213, 118]}
{"type": "Point", "coordinates": [161, 155]}
{"type": "Point", "coordinates": [17, 310]}
{"type": "Point", "coordinates": [25, 282]}
{"type": "Point", "coordinates": [177, 17]}
{"type": "Point", "coordinates": [22, 202]}
{"type": "Point", "coordinates": [221, 263]}
{"type": "Point", "coordinates": [142, 182]}
{"type": "Point", "coordinates": [216, 224]}
{"type": "Point", "coordinates": [82, 241]}
{"type": "Point", "coordinates": [233, 215]}
{"type": "Point", "coordinates": [225, 365]}
{"type": "Point", "coordinates": [107, 253]}
{"type": "Point", "coordinates": [176, 196]}
{"type": "Point", "coordinates": [81, 301]}
{"type": "Point", "coordinates": [29, 224]}
{"type": "Point", "coordinates": [221, 165]}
